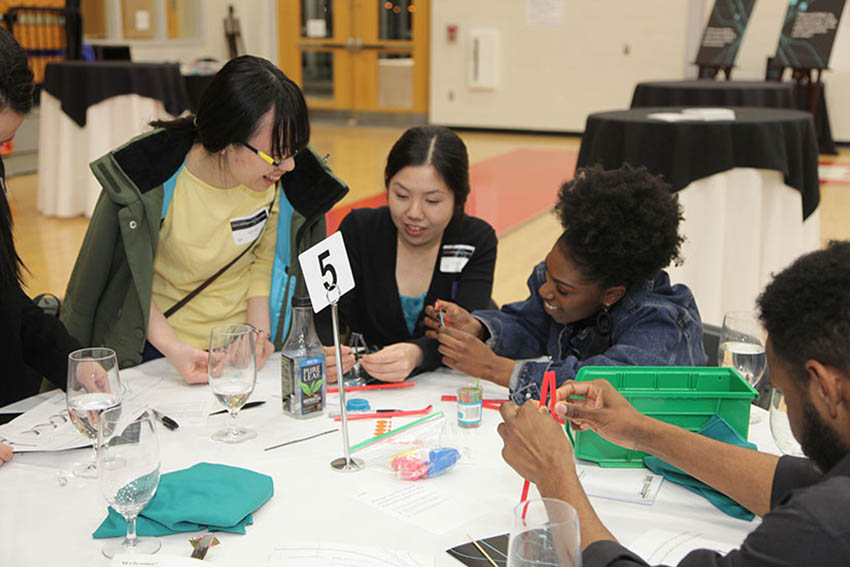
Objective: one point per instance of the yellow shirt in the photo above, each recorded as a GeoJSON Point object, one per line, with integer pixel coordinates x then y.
{"type": "Point", "coordinates": [204, 229]}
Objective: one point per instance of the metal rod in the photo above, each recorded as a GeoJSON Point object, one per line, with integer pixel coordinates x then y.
{"type": "Point", "coordinates": [339, 378]}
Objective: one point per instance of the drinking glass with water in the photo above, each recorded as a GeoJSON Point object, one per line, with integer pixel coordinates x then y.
{"type": "Point", "coordinates": [232, 370]}
{"type": "Point", "coordinates": [93, 387]}
{"type": "Point", "coordinates": [742, 347]}
{"type": "Point", "coordinates": [128, 468]}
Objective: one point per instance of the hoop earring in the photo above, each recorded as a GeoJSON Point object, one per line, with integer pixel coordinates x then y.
{"type": "Point", "coordinates": [604, 322]}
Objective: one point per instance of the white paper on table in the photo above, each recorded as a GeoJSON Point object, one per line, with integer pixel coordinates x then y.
{"type": "Point", "coordinates": [669, 547]}
{"type": "Point", "coordinates": [419, 504]}
{"type": "Point", "coordinates": [61, 438]}
{"type": "Point", "coordinates": [708, 113]}
{"type": "Point", "coordinates": [672, 116]}
{"type": "Point", "coordinates": [158, 560]}
{"type": "Point", "coordinates": [323, 554]}
{"type": "Point", "coordinates": [626, 485]}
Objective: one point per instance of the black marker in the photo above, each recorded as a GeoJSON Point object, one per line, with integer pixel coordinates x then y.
{"type": "Point", "coordinates": [165, 420]}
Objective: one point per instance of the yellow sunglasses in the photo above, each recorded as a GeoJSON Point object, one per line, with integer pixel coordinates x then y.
{"type": "Point", "coordinates": [266, 157]}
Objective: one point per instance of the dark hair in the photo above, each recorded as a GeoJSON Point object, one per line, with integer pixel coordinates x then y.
{"type": "Point", "coordinates": [620, 226]}
{"type": "Point", "coordinates": [806, 311]}
{"type": "Point", "coordinates": [16, 78]}
{"type": "Point", "coordinates": [16, 85]}
{"type": "Point", "coordinates": [237, 97]}
{"type": "Point", "coordinates": [437, 146]}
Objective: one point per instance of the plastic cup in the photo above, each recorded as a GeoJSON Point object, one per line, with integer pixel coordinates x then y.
{"type": "Point", "coordinates": [469, 406]}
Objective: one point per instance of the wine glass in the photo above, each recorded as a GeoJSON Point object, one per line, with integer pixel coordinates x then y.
{"type": "Point", "coordinates": [780, 426]}
{"type": "Point", "coordinates": [545, 532]}
{"type": "Point", "coordinates": [93, 387]}
{"type": "Point", "coordinates": [741, 347]}
{"type": "Point", "coordinates": [232, 368]}
{"type": "Point", "coordinates": [128, 469]}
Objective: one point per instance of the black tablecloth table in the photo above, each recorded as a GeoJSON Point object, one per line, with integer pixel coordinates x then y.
{"type": "Point", "coordinates": [683, 152]}
{"type": "Point", "coordinates": [708, 92]}
{"type": "Point", "coordinates": [89, 108]}
{"type": "Point", "coordinates": [749, 188]}
{"type": "Point", "coordinates": [81, 84]}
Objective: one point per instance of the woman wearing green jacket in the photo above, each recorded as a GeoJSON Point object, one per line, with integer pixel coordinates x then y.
{"type": "Point", "coordinates": [192, 230]}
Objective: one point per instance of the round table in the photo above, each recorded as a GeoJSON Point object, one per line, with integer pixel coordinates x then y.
{"type": "Point", "coordinates": [89, 108]}
{"type": "Point", "coordinates": [708, 92]}
{"type": "Point", "coordinates": [311, 502]}
{"type": "Point", "coordinates": [749, 188]}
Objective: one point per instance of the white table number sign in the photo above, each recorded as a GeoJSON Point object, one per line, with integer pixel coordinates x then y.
{"type": "Point", "coordinates": [326, 270]}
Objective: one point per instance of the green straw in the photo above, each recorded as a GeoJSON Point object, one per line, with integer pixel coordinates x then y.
{"type": "Point", "coordinates": [371, 440]}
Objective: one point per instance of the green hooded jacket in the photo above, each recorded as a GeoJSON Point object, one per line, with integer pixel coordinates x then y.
{"type": "Point", "coordinates": [109, 294]}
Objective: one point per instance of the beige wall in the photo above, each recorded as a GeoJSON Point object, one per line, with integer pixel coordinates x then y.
{"type": "Point", "coordinates": [551, 78]}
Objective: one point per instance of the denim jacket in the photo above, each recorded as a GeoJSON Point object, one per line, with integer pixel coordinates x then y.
{"type": "Point", "coordinates": [654, 324]}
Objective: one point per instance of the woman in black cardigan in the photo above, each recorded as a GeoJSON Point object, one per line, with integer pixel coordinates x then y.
{"type": "Point", "coordinates": [409, 254]}
{"type": "Point", "coordinates": [29, 339]}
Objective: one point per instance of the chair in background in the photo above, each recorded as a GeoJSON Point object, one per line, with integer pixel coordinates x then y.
{"type": "Point", "coordinates": [710, 341]}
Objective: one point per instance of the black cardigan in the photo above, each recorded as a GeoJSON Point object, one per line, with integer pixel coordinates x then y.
{"type": "Point", "coordinates": [30, 340]}
{"type": "Point", "coordinates": [373, 307]}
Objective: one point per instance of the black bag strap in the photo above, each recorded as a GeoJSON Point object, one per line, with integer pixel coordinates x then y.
{"type": "Point", "coordinates": [191, 295]}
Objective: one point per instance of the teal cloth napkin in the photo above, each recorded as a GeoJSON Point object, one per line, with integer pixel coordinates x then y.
{"type": "Point", "coordinates": [205, 496]}
{"type": "Point", "coordinates": [715, 428]}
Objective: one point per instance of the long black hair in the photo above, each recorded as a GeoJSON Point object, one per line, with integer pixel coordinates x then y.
{"type": "Point", "coordinates": [16, 86]}
{"type": "Point", "coordinates": [437, 146]}
{"type": "Point", "coordinates": [237, 97]}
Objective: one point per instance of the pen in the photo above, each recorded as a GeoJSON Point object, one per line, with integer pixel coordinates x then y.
{"type": "Point", "coordinates": [440, 311]}
{"type": "Point", "coordinates": [165, 420]}
{"type": "Point", "coordinates": [249, 405]}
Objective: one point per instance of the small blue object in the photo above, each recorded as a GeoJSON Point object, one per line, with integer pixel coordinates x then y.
{"type": "Point", "coordinates": [442, 459]}
{"type": "Point", "coordinates": [357, 404]}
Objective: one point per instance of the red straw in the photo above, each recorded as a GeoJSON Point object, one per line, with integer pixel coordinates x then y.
{"type": "Point", "coordinates": [548, 376]}
{"type": "Point", "coordinates": [373, 387]}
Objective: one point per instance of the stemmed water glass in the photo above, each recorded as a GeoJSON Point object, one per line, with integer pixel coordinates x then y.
{"type": "Point", "coordinates": [545, 533]}
{"type": "Point", "coordinates": [232, 368]}
{"type": "Point", "coordinates": [780, 426]}
{"type": "Point", "coordinates": [93, 387]}
{"type": "Point", "coordinates": [741, 347]}
{"type": "Point", "coordinates": [128, 469]}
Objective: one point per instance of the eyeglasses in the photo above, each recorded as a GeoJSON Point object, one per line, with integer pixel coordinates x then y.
{"type": "Point", "coordinates": [266, 157]}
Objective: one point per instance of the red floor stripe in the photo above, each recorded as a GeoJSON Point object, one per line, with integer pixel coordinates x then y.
{"type": "Point", "coordinates": [832, 181]}
{"type": "Point", "coordinates": [507, 190]}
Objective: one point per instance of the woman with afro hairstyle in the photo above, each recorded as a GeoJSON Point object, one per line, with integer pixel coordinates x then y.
{"type": "Point", "coordinates": [601, 296]}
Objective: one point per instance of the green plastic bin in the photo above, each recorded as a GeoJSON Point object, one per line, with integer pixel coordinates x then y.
{"type": "Point", "coordinates": [686, 396]}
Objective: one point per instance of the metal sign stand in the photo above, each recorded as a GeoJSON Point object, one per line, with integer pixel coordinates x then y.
{"type": "Point", "coordinates": [346, 463]}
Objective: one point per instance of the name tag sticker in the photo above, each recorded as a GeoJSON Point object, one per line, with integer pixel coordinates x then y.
{"type": "Point", "coordinates": [246, 229]}
{"type": "Point", "coordinates": [455, 257]}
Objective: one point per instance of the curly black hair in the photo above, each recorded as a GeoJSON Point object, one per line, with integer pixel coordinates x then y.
{"type": "Point", "coordinates": [806, 311]}
{"type": "Point", "coordinates": [620, 226]}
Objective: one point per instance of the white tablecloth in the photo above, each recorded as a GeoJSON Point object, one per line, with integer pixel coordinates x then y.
{"type": "Point", "coordinates": [66, 185]}
{"type": "Point", "coordinates": [741, 226]}
{"type": "Point", "coordinates": [43, 523]}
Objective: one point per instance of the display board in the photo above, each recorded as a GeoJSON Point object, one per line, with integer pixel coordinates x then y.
{"type": "Point", "coordinates": [808, 33]}
{"type": "Point", "coordinates": [724, 32]}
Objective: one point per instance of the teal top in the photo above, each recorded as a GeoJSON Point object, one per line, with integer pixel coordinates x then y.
{"type": "Point", "coordinates": [411, 307]}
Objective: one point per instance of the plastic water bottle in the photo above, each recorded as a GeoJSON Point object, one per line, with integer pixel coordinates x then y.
{"type": "Point", "coordinates": [302, 364]}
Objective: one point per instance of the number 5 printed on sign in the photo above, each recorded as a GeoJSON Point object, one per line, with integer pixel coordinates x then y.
{"type": "Point", "coordinates": [327, 271]}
